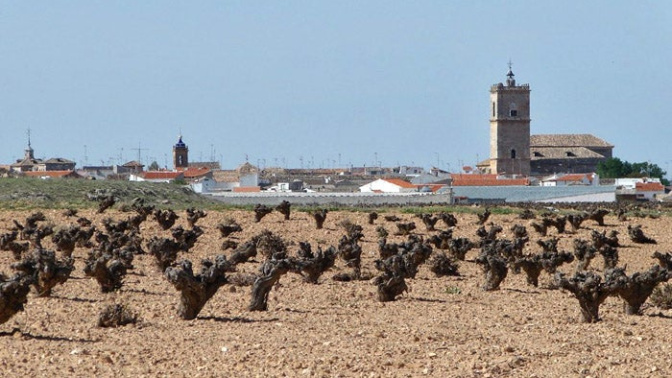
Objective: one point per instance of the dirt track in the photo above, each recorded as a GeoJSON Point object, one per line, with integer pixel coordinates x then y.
{"type": "Point", "coordinates": [442, 327]}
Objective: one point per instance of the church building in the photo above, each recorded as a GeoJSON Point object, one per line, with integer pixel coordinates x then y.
{"type": "Point", "coordinates": [515, 152]}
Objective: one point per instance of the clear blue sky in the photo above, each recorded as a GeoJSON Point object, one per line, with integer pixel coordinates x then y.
{"type": "Point", "coordinates": [398, 82]}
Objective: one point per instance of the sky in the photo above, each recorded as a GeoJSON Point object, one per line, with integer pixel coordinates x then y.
{"type": "Point", "coordinates": [322, 84]}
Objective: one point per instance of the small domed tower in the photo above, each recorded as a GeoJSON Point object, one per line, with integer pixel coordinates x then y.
{"type": "Point", "coordinates": [180, 155]}
{"type": "Point", "coordinates": [510, 127]}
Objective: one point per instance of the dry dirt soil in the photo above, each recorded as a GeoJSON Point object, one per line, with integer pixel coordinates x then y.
{"type": "Point", "coordinates": [443, 327]}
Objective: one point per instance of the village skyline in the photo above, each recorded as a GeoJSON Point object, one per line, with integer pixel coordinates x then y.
{"type": "Point", "coordinates": [325, 85]}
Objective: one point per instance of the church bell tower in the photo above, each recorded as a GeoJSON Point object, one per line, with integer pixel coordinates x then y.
{"type": "Point", "coordinates": [180, 155]}
{"type": "Point", "coordinates": [510, 127]}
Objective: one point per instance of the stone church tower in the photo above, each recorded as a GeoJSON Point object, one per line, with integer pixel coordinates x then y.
{"type": "Point", "coordinates": [180, 155]}
{"type": "Point", "coordinates": [510, 128]}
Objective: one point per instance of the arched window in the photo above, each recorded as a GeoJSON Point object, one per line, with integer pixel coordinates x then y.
{"type": "Point", "coordinates": [513, 110]}
{"type": "Point", "coordinates": [494, 104]}
{"type": "Point", "coordinates": [513, 154]}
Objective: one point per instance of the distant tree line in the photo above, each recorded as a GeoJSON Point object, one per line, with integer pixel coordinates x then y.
{"type": "Point", "coordinates": [615, 168]}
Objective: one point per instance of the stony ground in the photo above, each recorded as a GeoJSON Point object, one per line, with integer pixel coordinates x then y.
{"type": "Point", "coordinates": [443, 327]}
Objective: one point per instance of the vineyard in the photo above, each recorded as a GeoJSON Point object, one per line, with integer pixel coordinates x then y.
{"type": "Point", "coordinates": [134, 290]}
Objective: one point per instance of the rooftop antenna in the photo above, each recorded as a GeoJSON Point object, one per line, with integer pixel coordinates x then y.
{"type": "Point", "coordinates": [86, 157]}
{"type": "Point", "coordinates": [139, 149]}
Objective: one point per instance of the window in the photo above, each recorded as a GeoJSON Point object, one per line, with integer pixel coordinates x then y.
{"type": "Point", "coordinates": [513, 110]}
{"type": "Point", "coordinates": [493, 108]}
{"type": "Point", "coordinates": [513, 154]}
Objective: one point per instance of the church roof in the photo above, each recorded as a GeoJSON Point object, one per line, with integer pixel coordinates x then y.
{"type": "Point", "coordinates": [541, 153]}
{"type": "Point", "coordinates": [58, 161]}
{"type": "Point", "coordinates": [567, 140]}
{"type": "Point", "coordinates": [27, 162]}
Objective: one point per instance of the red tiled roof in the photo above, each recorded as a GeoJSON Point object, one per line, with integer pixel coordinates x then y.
{"type": "Point", "coordinates": [400, 182]}
{"type": "Point", "coordinates": [486, 180]}
{"type": "Point", "coordinates": [161, 175]}
{"type": "Point", "coordinates": [649, 187]}
{"type": "Point", "coordinates": [53, 174]}
{"type": "Point", "coordinates": [194, 172]}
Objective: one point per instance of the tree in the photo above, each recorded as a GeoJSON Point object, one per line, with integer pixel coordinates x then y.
{"type": "Point", "coordinates": [615, 167]}
{"type": "Point", "coordinates": [154, 166]}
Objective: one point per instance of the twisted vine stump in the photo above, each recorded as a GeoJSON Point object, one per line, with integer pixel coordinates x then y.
{"type": "Point", "coordinates": [270, 272]}
{"type": "Point", "coordinates": [194, 215]}
{"type": "Point", "coordinates": [390, 282]}
{"type": "Point", "coordinates": [165, 218]}
{"type": "Point", "coordinates": [196, 290]}
{"type": "Point", "coordinates": [542, 228]}
{"type": "Point", "coordinates": [386, 249]}
{"type": "Point", "coordinates": [494, 267]}
{"type": "Point", "coordinates": [108, 272]}
{"type": "Point", "coordinates": [664, 260]}
{"type": "Point", "coordinates": [549, 245]}
{"type": "Point", "coordinates": [228, 244]}
{"type": "Point", "coordinates": [228, 227]}
{"type": "Point", "coordinates": [244, 252]}
{"type": "Point", "coordinates": [637, 235]}
{"type": "Point", "coordinates": [429, 221]}
{"type": "Point", "coordinates": [164, 250]}
{"type": "Point", "coordinates": [442, 265]}
{"type": "Point", "coordinates": [622, 215]}
{"type": "Point", "coordinates": [105, 203]}
{"type": "Point", "coordinates": [610, 256]}
{"type": "Point", "coordinates": [138, 205]}
{"type": "Point", "coordinates": [391, 218]}
{"type": "Point", "coordinates": [448, 219]}
{"type": "Point", "coordinates": [66, 239]}
{"type": "Point", "coordinates": [320, 216]}
{"type": "Point", "coordinates": [270, 245]}
{"type": "Point", "coordinates": [284, 208]}
{"type": "Point", "coordinates": [575, 220]}
{"type": "Point", "coordinates": [636, 289]}
{"type": "Point", "coordinates": [13, 295]}
{"type": "Point", "coordinates": [8, 243]}
{"type": "Point", "coordinates": [187, 238]}
{"type": "Point", "coordinates": [531, 266]}
{"type": "Point", "coordinates": [372, 217]}
{"type": "Point", "coordinates": [600, 239]}
{"type": "Point", "coordinates": [311, 265]}
{"type": "Point", "coordinates": [261, 211]}
{"type": "Point", "coordinates": [526, 214]}
{"type": "Point", "coordinates": [116, 315]}
{"type": "Point", "coordinates": [535, 264]}
{"type": "Point", "coordinates": [560, 223]}
{"type": "Point", "coordinates": [459, 247]}
{"type": "Point", "coordinates": [404, 229]}
{"type": "Point", "coordinates": [488, 235]}
{"type": "Point", "coordinates": [350, 251]}
{"type": "Point", "coordinates": [414, 252]}
{"type": "Point", "coordinates": [598, 216]}
{"type": "Point", "coordinates": [442, 240]}
{"type": "Point", "coordinates": [484, 216]}
{"type": "Point", "coordinates": [83, 222]}
{"type": "Point", "coordinates": [45, 270]}
{"type": "Point", "coordinates": [584, 253]}
{"type": "Point", "coordinates": [589, 290]}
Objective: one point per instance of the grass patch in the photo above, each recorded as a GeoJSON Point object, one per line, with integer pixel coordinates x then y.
{"type": "Point", "coordinates": [31, 194]}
